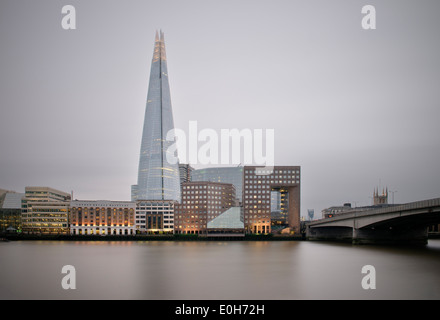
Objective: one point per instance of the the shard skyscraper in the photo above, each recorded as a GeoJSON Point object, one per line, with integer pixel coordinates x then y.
{"type": "Point", "coordinates": [158, 178]}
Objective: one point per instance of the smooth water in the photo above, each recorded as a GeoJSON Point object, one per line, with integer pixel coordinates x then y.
{"type": "Point", "coordinates": [270, 270]}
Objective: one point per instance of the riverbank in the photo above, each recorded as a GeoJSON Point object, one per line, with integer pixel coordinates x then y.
{"type": "Point", "coordinates": [141, 237]}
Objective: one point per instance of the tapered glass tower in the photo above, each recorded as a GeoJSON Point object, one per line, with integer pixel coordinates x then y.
{"type": "Point", "coordinates": [158, 178]}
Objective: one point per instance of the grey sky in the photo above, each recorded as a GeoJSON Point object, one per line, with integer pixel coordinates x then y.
{"type": "Point", "coordinates": [354, 108]}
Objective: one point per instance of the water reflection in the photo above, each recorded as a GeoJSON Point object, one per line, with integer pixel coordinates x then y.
{"type": "Point", "coordinates": [217, 270]}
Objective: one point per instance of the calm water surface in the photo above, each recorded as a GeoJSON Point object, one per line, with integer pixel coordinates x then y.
{"type": "Point", "coordinates": [217, 270]}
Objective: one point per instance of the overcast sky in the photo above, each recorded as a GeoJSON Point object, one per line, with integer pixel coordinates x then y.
{"type": "Point", "coordinates": [354, 108]}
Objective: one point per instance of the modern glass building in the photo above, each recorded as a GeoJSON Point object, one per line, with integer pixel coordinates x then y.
{"type": "Point", "coordinates": [10, 212]}
{"type": "Point", "coordinates": [185, 173]}
{"type": "Point", "coordinates": [228, 224]}
{"type": "Point", "coordinates": [233, 175]}
{"type": "Point", "coordinates": [158, 178]}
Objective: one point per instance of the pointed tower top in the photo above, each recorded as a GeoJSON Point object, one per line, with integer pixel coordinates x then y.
{"type": "Point", "coordinates": [163, 55]}
{"type": "Point", "coordinates": [157, 49]}
{"type": "Point", "coordinates": [158, 114]}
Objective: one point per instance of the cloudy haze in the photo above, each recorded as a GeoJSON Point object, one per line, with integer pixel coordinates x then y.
{"type": "Point", "coordinates": [354, 108]}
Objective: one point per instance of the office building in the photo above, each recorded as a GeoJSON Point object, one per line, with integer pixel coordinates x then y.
{"type": "Point", "coordinates": [155, 216]}
{"type": "Point", "coordinates": [3, 193]}
{"type": "Point", "coordinates": [158, 177]}
{"type": "Point", "coordinates": [185, 171]}
{"type": "Point", "coordinates": [258, 184]}
{"type": "Point", "coordinates": [233, 175]}
{"type": "Point", "coordinates": [202, 202]}
{"type": "Point", "coordinates": [45, 211]}
{"type": "Point", "coordinates": [10, 211]}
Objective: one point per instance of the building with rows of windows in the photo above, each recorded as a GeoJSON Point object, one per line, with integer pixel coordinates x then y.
{"type": "Point", "coordinates": [233, 175]}
{"type": "Point", "coordinates": [202, 201]}
{"type": "Point", "coordinates": [102, 217]}
{"type": "Point", "coordinates": [155, 216]}
{"type": "Point", "coordinates": [258, 184]}
{"type": "Point", "coordinates": [10, 211]}
{"type": "Point", "coordinates": [45, 211]}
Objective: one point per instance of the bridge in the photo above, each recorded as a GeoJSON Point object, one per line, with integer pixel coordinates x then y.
{"type": "Point", "coordinates": [406, 223]}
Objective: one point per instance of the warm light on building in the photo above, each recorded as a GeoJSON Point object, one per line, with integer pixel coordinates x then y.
{"type": "Point", "coordinates": [102, 217]}
{"type": "Point", "coordinates": [201, 203]}
{"type": "Point", "coordinates": [155, 216]}
{"type": "Point", "coordinates": [45, 211]}
{"type": "Point", "coordinates": [258, 184]}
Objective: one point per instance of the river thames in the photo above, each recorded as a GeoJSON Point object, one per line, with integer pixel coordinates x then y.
{"type": "Point", "coordinates": [193, 270]}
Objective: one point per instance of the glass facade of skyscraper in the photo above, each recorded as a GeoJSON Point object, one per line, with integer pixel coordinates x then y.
{"type": "Point", "coordinates": [158, 177]}
{"type": "Point", "coordinates": [233, 175]}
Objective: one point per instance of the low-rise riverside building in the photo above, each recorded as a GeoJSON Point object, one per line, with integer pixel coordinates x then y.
{"type": "Point", "coordinates": [102, 217]}
{"type": "Point", "coordinates": [155, 216]}
{"type": "Point", "coordinates": [45, 211]}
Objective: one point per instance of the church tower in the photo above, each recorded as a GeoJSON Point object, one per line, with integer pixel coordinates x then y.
{"type": "Point", "coordinates": [380, 198]}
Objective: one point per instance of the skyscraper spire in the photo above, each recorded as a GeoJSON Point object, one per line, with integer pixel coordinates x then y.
{"type": "Point", "coordinates": [163, 55]}
{"type": "Point", "coordinates": [158, 179]}
{"type": "Point", "coordinates": [156, 52]}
